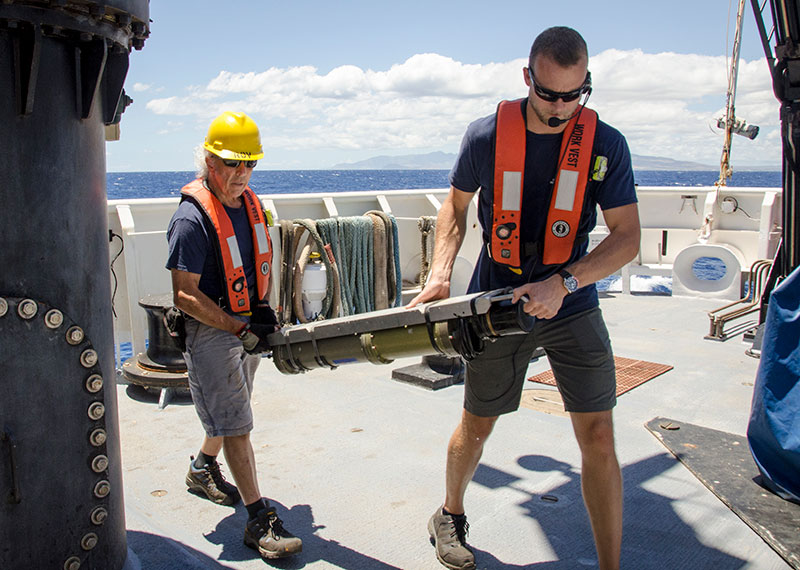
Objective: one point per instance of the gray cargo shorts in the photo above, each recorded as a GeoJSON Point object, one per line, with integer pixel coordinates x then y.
{"type": "Point", "coordinates": [220, 379]}
{"type": "Point", "coordinates": [579, 351]}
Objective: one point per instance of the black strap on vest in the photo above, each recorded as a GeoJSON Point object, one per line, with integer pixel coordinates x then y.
{"type": "Point", "coordinates": [534, 249]}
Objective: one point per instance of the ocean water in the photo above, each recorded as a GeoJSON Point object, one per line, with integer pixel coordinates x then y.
{"type": "Point", "coordinates": [126, 185]}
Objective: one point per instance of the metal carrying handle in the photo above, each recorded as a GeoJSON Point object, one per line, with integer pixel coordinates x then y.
{"type": "Point", "coordinates": [13, 495]}
{"type": "Point", "coordinates": [508, 296]}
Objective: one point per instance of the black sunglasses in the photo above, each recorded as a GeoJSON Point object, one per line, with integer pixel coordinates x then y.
{"type": "Point", "coordinates": [230, 163]}
{"type": "Point", "coordinates": [566, 96]}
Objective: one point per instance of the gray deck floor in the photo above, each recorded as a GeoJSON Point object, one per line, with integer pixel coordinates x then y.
{"type": "Point", "coordinates": [355, 463]}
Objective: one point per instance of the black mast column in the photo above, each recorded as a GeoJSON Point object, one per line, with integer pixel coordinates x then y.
{"type": "Point", "coordinates": [62, 67]}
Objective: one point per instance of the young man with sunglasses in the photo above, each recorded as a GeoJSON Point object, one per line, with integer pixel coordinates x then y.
{"type": "Point", "coordinates": [220, 257]}
{"type": "Point", "coordinates": [542, 164]}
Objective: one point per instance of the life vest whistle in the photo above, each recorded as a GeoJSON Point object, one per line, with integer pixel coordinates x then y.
{"type": "Point", "coordinates": [228, 248]}
{"type": "Point", "coordinates": [566, 203]}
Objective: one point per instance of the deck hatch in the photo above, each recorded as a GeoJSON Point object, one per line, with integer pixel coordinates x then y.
{"type": "Point", "coordinates": [630, 373]}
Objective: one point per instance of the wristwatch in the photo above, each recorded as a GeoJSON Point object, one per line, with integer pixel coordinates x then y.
{"type": "Point", "coordinates": [570, 283]}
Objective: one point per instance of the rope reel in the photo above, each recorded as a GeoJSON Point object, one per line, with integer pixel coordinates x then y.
{"type": "Point", "coordinates": [360, 255]}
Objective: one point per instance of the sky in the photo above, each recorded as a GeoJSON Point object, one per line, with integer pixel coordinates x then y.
{"type": "Point", "coordinates": [332, 82]}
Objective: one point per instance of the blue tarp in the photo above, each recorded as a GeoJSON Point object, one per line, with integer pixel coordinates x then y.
{"type": "Point", "coordinates": [774, 430]}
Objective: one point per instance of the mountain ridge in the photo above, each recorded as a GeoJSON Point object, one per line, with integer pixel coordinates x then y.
{"type": "Point", "coordinates": [440, 160]}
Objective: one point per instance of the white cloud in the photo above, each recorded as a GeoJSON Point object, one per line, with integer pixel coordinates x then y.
{"type": "Point", "coordinates": [664, 103]}
{"type": "Point", "coordinates": [170, 127]}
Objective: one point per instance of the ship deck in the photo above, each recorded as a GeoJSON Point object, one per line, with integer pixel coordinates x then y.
{"type": "Point", "coordinates": [354, 462]}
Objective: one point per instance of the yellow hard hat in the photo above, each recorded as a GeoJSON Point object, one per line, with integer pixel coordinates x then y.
{"type": "Point", "coordinates": [234, 136]}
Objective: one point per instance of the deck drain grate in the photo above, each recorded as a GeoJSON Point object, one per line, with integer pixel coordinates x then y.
{"type": "Point", "coordinates": [630, 373]}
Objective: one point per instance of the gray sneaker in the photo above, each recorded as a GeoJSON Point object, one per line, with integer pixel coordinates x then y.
{"type": "Point", "coordinates": [209, 481]}
{"type": "Point", "coordinates": [266, 534]}
{"type": "Point", "coordinates": [449, 536]}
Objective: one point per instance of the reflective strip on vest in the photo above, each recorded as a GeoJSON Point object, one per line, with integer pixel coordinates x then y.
{"type": "Point", "coordinates": [565, 190]}
{"type": "Point", "coordinates": [261, 238]}
{"type": "Point", "coordinates": [512, 191]}
{"type": "Point", "coordinates": [233, 251]}
{"type": "Point", "coordinates": [235, 287]}
{"type": "Point", "coordinates": [570, 186]}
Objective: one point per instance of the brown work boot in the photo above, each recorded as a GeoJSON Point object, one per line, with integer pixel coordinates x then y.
{"type": "Point", "coordinates": [209, 481]}
{"type": "Point", "coordinates": [449, 536]}
{"type": "Point", "coordinates": [266, 534]}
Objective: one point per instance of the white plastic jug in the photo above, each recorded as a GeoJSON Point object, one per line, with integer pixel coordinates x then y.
{"type": "Point", "coordinates": [314, 284]}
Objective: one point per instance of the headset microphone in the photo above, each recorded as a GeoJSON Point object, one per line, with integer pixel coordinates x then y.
{"type": "Point", "coordinates": [553, 122]}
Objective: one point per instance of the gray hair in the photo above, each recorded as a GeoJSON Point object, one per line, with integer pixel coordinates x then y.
{"type": "Point", "coordinates": [563, 45]}
{"type": "Point", "coordinates": [200, 166]}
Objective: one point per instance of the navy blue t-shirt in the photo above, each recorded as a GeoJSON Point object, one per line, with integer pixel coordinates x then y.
{"type": "Point", "coordinates": [474, 170]}
{"type": "Point", "coordinates": [191, 248]}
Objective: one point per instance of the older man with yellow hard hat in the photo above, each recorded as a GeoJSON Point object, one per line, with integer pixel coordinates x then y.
{"type": "Point", "coordinates": [220, 257]}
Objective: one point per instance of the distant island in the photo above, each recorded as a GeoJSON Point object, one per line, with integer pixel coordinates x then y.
{"type": "Point", "coordinates": [641, 162]}
{"type": "Point", "coordinates": [432, 161]}
{"type": "Point", "coordinates": [444, 161]}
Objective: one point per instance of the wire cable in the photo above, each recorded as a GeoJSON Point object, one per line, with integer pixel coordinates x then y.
{"type": "Point", "coordinates": [111, 236]}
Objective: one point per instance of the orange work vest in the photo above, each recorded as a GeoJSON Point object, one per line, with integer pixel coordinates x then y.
{"type": "Point", "coordinates": [228, 247]}
{"type": "Point", "coordinates": [566, 203]}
